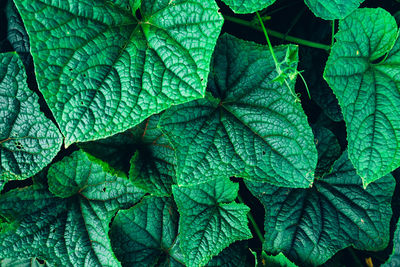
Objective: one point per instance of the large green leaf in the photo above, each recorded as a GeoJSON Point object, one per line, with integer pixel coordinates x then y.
{"type": "Point", "coordinates": [311, 225]}
{"type": "Point", "coordinates": [248, 6]}
{"type": "Point", "coordinates": [368, 92]}
{"type": "Point", "coordinates": [28, 140]}
{"type": "Point", "coordinates": [144, 151]}
{"type": "Point", "coordinates": [71, 228]}
{"type": "Point", "coordinates": [105, 66]}
{"type": "Point", "coordinates": [146, 234]}
{"type": "Point", "coordinates": [251, 127]}
{"type": "Point", "coordinates": [333, 9]}
{"type": "Point", "coordinates": [209, 219]}
{"type": "Point", "coordinates": [394, 259]}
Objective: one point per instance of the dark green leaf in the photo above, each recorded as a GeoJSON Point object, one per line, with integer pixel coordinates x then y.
{"type": "Point", "coordinates": [146, 234]}
{"type": "Point", "coordinates": [71, 230]}
{"type": "Point", "coordinates": [311, 225]}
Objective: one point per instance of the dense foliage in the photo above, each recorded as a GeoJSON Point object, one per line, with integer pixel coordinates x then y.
{"type": "Point", "coordinates": [173, 133]}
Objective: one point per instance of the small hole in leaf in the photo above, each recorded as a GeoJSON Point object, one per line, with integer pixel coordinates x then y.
{"type": "Point", "coordinates": [84, 75]}
{"type": "Point", "coordinates": [202, 79]}
{"type": "Point", "coordinates": [104, 189]}
{"type": "Point", "coordinates": [81, 102]}
{"type": "Point", "coordinates": [53, 231]}
{"type": "Point", "coordinates": [128, 7]}
{"type": "Point", "coordinates": [18, 145]}
{"type": "Point", "coordinates": [263, 152]}
{"type": "Point", "coordinates": [40, 261]}
{"type": "Point", "coordinates": [70, 69]}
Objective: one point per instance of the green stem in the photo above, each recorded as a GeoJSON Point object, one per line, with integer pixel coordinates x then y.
{"type": "Point", "coordinates": [253, 222]}
{"type": "Point", "coordinates": [278, 34]}
{"type": "Point", "coordinates": [333, 32]}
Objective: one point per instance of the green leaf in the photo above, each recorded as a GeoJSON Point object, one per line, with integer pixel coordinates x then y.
{"type": "Point", "coordinates": [251, 127]}
{"type": "Point", "coordinates": [21, 263]}
{"type": "Point", "coordinates": [328, 150]}
{"type": "Point", "coordinates": [144, 151]}
{"type": "Point", "coordinates": [394, 259]}
{"type": "Point", "coordinates": [368, 92]}
{"type": "Point", "coordinates": [105, 66]}
{"type": "Point", "coordinates": [311, 225]}
{"type": "Point", "coordinates": [248, 6]}
{"type": "Point", "coordinates": [28, 140]}
{"type": "Point", "coordinates": [333, 9]}
{"type": "Point", "coordinates": [146, 234]}
{"type": "Point", "coordinates": [70, 229]}
{"type": "Point", "coordinates": [210, 220]}
{"type": "Point", "coordinates": [232, 256]}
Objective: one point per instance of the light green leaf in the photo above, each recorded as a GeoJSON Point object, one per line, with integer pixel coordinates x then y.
{"type": "Point", "coordinates": [28, 140]}
{"type": "Point", "coordinates": [333, 9]}
{"type": "Point", "coordinates": [311, 225]}
{"type": "Point", "coordinates": [144, 151]}
{"type": "Point", "coordinates": [279, 260]}
{"type": "Point", "coordinates": [70, 230]}
{"type": "Point", "coordinates": [146, 234]}
{"type": "Point", "coordinates": [105, 66]}
{"type": "Point", "coordinates": [394, 259]}
{"type": "Point", "coordinates": [251, 127]}
{"type": "Point", "coordinates": [248, 6]}
{"type": "Point", "coordinates": [210, 220]}
{"type": "Point", "coordinates": [368, 92]}
{"type": "Point", "coordinates": [328, 150]}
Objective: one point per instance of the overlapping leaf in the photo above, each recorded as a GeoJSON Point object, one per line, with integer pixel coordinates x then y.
{"type": "Point", "coordinates": [209, 219]}
{"type": "Point", "coordinates": [28, 140]}
{"type": "Point", "coordinates": [248, 6]}
{"type": "Point", "coordinates": [311, 225]}
{"type": "Point", "coordinates": [143, 151]}
{"type": "Point", "coordinates": [105, 66]}
{"type": "Point", "coordinates": [332, 9]}
{"type": "Point", "coordinates": [328, 150]}
{"type": "Point", "coordinates": [368, 90]}
{"type": "Point", "coordinates": [250, 127]}
{"type": "Point", "coordinates": [71, 228]}
{"type": "Point", "coordinates": [146, 234]}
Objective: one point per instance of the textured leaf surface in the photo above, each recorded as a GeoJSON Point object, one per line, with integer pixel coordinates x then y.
{"type": "Point", "coordinates": [368, 92]}
{"type": "Point", "coordinates": [146, 234]}
{"type": "Point", "coordinates": [28, 140]}
{"type": "Point", "coordinates": [252, 127]}
{"type": "Point", "coordinates": [311, 225]}
{"type": "Point", "coordinates": [394, 259]}
{"type": "Point", "coordinates": [144, 151]}
{"type": "Point", "coordinates": [248, 6]}
{"type": "Point", "coordinates": [102, 71]}
{"type": "Point", "coordinates": [209, 219]}
{"type": "Point", "coordinates": [70, 229]}
{"type": "Point", "coordinates": [333, 9]}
